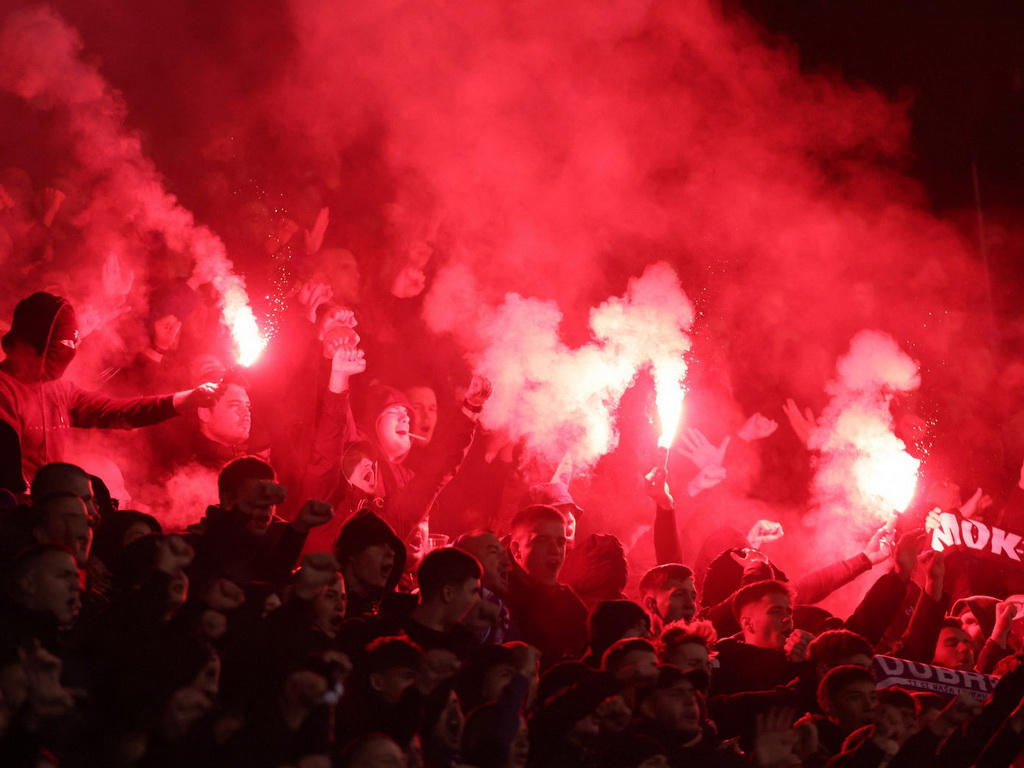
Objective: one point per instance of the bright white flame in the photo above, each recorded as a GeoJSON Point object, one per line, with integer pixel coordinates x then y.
{"type": "Point", "coordinates": [886, 475]}
{"type": "Point", "coordinates": [240, 320]}
{"type": "Point", "coordinates": [865, 471]}
{"type": "Point", "coordinates": [249, 344]}
{"type": "Point", "coordinates": [669, 393]}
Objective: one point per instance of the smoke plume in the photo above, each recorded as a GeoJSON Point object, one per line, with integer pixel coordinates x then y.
{"type": "Point", "coordinates": [563, 399]}
{"type": "Point", "coordinates": [865, 473]}
{"type": "Point", "coordinates": [556, 151]}
{"type": "Point", "coordinates": [42, 62]}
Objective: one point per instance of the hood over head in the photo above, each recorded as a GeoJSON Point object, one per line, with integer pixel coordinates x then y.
{"type": "Point", "coordinates": [42, 321]}
{"type": "Point", "coordinates": [364, 529]}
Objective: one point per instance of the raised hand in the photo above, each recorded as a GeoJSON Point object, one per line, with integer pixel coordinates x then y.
{"type": "Point", "coordinates": [775, 740]}
{"type": "Point", "coordinates": [347, 361]}
{"type": "Point", "coordinates": [314, 237]}
{"type": "Point", "coordinates": [935, 573]}
{"type": "Point", "coordinates": [908, 548]}
{"type": "Point", "coordinates": [763, 532]}
{"type": "Point", "coordinates": [879, 546]}
{"type": "Point", "coordinates": [203, 396]}
{"type": "Point", "coordinates": [707, 478]}
{"type": "Point", "coordinates": [979, 502]}
{"type": "Point", "coordinates": [311, 295]}
{"type": "Point", "coordinates": [117, 282]}
{"type": "Point", "coordinates": [802, 423]}
{"type": "Point", "coordinates": [657, 488]}
{"type": "Point", "coordinates": [312, 515]}
{"type": "Point", "coordinates": [480, 389]}
{"type": "Point", "coordinates": [699, 450]}
{"type": "Point", "coordinates": [263, 494]}
{"type": "Point", "coordinates": [318, 569]}
{"type": "Point", "coordinates": [1006, 612]}
{"type": "Point", "coordinates": [796, 645]}
{"type": "Point", "coordinates": [757, 427]}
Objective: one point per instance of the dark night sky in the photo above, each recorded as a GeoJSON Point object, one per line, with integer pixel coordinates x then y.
{"type": "Point", "coordinates": [961, 63]}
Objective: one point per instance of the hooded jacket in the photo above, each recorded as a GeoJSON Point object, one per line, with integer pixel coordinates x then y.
{"type": "Point", "coordinates": [362, 530]}
{"type": "Point", "coordinates": [41, 407]}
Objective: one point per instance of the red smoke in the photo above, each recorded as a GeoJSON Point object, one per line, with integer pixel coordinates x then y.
{"type": "Point", "coordinates": [557, 150]}
{"type": "Point", "coordinates": [41, 61]}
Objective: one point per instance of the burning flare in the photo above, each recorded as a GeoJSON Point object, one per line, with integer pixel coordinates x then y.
{"type": "Point", "coordinates": [669, 393]}
{"type": "Point", "coordinates": [249, 344]}
{"type": "Point", "coordinates": [865, 472]}
{"type": "Point", "coordinates": [559, 398]}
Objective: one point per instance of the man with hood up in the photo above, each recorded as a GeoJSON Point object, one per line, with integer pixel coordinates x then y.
{"type": "Point", "coordinates": [372, 559]}
{"type": "Point", "coordinates": [40, 407]}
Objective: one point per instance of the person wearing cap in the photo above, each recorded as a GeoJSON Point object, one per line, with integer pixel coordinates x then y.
{"type": "Point", "coordinates": [673, 713]}
{"type": "Point", "coordinates": [41, 406]}
{"type": "Point", "coordinates": [555, 495]}
{"type": "Point", "coordinates": [987, 622]}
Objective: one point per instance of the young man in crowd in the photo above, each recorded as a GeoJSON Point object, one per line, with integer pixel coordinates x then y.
{"type": "Point", "coordinates": [667, 594]}
{"type": "Point", "coordinates": [548, 614]}
{"type": "Point", "coordinates": [769, 650]}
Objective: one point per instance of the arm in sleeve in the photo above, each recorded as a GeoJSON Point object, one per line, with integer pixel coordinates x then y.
{"type": "Point", "coordinates": [335, 428]}
{"type": "Point", "coordinates": [964, 745]}
{"type": "Point", "coordinates": [991, 654]}
{"type": "Point", "coordinates": [878, 607]}
{"type": "Point", "coordinates": [408, 505]}
{"type": "Point", "coordinates": [90, 409]}
{"type": "Point", "coordinates": [276, 567]}
{"type": "Point", "coordinates": [819, 584]}
{"type": "Point", "coordinates": [1003, 748]}
{"type": "Point", "coordinates": [666, 537]}
{"type": "Point", "coordinates": [919, 640]}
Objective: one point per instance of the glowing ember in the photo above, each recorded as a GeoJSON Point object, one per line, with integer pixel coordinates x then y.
{"type": "Point", "coordinates": [669, 394]}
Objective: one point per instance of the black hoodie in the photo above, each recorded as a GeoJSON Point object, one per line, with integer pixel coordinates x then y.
{"type": "Point", "coordinates": [39, 405]}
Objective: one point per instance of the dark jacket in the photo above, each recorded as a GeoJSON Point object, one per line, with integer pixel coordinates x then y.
{"type": "Point", "coordinates": [227, 550]}
{"type": "Point", "coordinates": [744, 667]}
{"type": "Point", "coordinates": [408, 497]}
{"type": "Point", "coordinates": [553, 619]}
